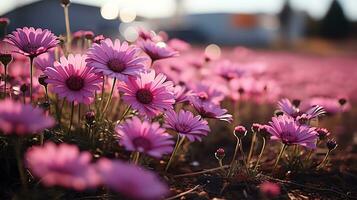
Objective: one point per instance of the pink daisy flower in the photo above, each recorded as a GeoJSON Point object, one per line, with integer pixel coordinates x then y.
{"type": "Point", "coordinates": [32, 42]}
{"type": "Point", "coordinates": [149, 94]}
{"type": "Point", "coordinates": [207, 92]}
{"type": "Point", "coordinates": [157, 51]}
{"type": "Point", "coordinates": [144, 137]}
{"type": "Point", "coordinates": [289, 132]}
{"type": "Point", "coordinates": [185, 124]}
{"type": "Point", "coordinates": [181, 94]}
{"type": "Point", "coordinates": [115, 60]}
{"type": "Point", "coordinates": [269, 189]}
{"type": "Point", "coordinates": [17, 118]}
{"type": "Point", "coordinates": [289, 109]}
{"type": "Point", "coordinates": [228, 70]}
{"type": "Point", "coordinates": [62, 165]}
{"type": "Point", "coordinates": [72, 79]}
{"type": "Point", "coordinates": [130, 180]}
{"type": "Point", "coordinates": [211, 110]}
{"type": "Point", "coordinates": [45, 60]}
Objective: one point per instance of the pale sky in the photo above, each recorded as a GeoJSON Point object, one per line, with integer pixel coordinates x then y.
{"type": "Point", "coordinates": [164, 8]}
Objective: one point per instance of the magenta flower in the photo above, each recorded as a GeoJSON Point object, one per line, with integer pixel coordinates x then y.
{"type": "Point", "coordinates": [269, 190]}
{"type": "Point", "coordinates": [144, 137]}
{"type": "Point", "coordinates": [181, 94]}
{"type": "Point", "coordinates": [207, 92]}
{"type": "Point", "coordinates": [17, 118]}
{"type": "Point", "coordinates": [131, 180]}
{"type": "Point", "coordinates": [73, 79]}
{"type": "Point", "coordinates": [156, 51]}
{"type": "Point", "coordinates": [116, 60]}
{"type": "Point", "coordinates": [32, 42]}
{"type": "Point", "coordinates": [289, 132]}
{"type": "Point", "coordinates": [185, 124]}
{"type": "Point", "coordinates": [45, 60]}
{"type": "Point", "coordinates": [289, 109]}
{"type": "Point", "coordinates": [228, 70]}
{"type": "Point", "coordinates": [211, 110]}
{"type": "Point", "coordinates": [62, 165]}
{"type": "Point", "coordinates": [149, 94]}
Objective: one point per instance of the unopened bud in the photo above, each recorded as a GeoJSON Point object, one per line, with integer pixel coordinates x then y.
{"type": "Point", "coordinates": [90, 117]}
{"type": "Point", "coordinates": [42, 80]}
{"type": "Point", "coordinates": [322, 133]}
{"type": "Point", "coordinates": [296, 103]}
{"type": "Point", "coordinates": [220, 153]}
{"type": "Point", "coordinates": [5, 58]}
{"type": "Point", "coordinates": [342, 101]}
{"type": "Point", "coordinates": [331, 144]}
{"type": "Point", "coordinates": [240, 131]}
{"type": "Point", "coordinates": [65, 2]}
{"type": "Point", "coordinates": [24, 87]}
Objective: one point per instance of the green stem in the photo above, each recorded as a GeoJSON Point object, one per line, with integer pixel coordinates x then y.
{"type": "Point", "coordinates": [252, 144]}
{"type": "Point", "coordinates": [20, 163]}
{"type": "Point", "coordinates": [233, 159]}
{"type": "Point", "coordinates": [5, 80]}
{"type": "Point", "coordinates": [279, 156]}
{"type": "Point", "coordinates": [102, 95]}
{"type": "Point", "coordinates": [322, 164]}
{"type": "Point", "coordinates": [136, 158]}
{"type": "Point", "coordinates": [124, 114]}
{"type": "Point", "coordinates": [177, 146]}
{"type": "Point", "coordinates": [71, 118]}
{"type": "Point", "coordinates": [79, 114]}
{"type": "Point", "coordinates": [260, 155]}
{"type": "Point", "coordinates": [109, 99]}
{"type": "Point", "coordinates": [243, 157]}
{"type": "Point", "coordinates": [31, 77]}
{"type": "Point", "coordinates": [68, 29]}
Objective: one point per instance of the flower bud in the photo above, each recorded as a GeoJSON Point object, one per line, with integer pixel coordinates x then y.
{"type": "Point", "coordinates": [5, 58]}
{"type": "Point", "coordinates": [98, 39]}
{"type": "Point", "coordinates": [90, 117]}
{"type": "Point", "coordinates": [322, 133]}
{"type": "Point", "coordinates": [42, 80]}
{"type": "Point", "coordinates": [255, 127]}
{"type": "Point", "coordinates": [89, 35]}
{"type": "Point", "coordinates": [24, 87]}
{"type": "Point", "coordinates": [65, 2]}
{"type": "Point", "coordinates": [220, 154]}
{"type": "Point", "coordinates": [4, 21]}
{"type": "Point", "coordinates": [263, 131]}
{"type": "Point", "coordinates": [331, 144]}
{"type": "Point", "coordinates": [240, 131]}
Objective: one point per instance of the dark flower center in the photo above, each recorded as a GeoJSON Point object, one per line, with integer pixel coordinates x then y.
{"type": "Point", "coordinates": [142, 143]}
{"type": "Point", "coordinates": [185, 128]}
{"type": "Point", "coordinates": [75, 83]}
{"type": "Point", "coordinates": [31, 48]}
{"type": "Point", "coordinates": [144, 96]}
{"type": "Point", "coordinates": [116, 65]}
{"type": "Point", "coordinates": [288, 138]}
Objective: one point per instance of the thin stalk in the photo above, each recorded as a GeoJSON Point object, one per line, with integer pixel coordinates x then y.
{"type": "Point", "coordinates": [71, 118]}
{"type": "Point", "coordinates": [42, 137]}
{"type": "Point", "coordinates": [5, 80]}
{"type": "Point", "coordinates": [102, 95]}
{"type": "Point", "coordinates": [279, 156]}
{"type": "Point", "coordinates": [260, 155]}
{"type": "Point", "coordinates": [234, 158]}
{"type": "Point", "coordinates": [252, 144]}
{"type": "Point", "coordinates": [110, 98]}
{"type": "Point", "coordinates": [68, 29]}
{"type": "Point", "coordinates": [31, 77]}
{"type": "Point", "coordinates": [24, 97]}
{"type": "Point", "coordinates": [243, 157]}
{"type": "Point", "coordinates": [202, 172]}
{"type": "Point", "coordinates": [20, 163]}
{"type": "Point", "coordinates": [136, 158]}
{"type": "Point", "coordinates": [177, 146]}
{"type": "Point", "coordinates": [79, 114]}
{"type": "Point", "coordinates": [322, 164]}
{"type": "Point", "coordinates": [124, 114]}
